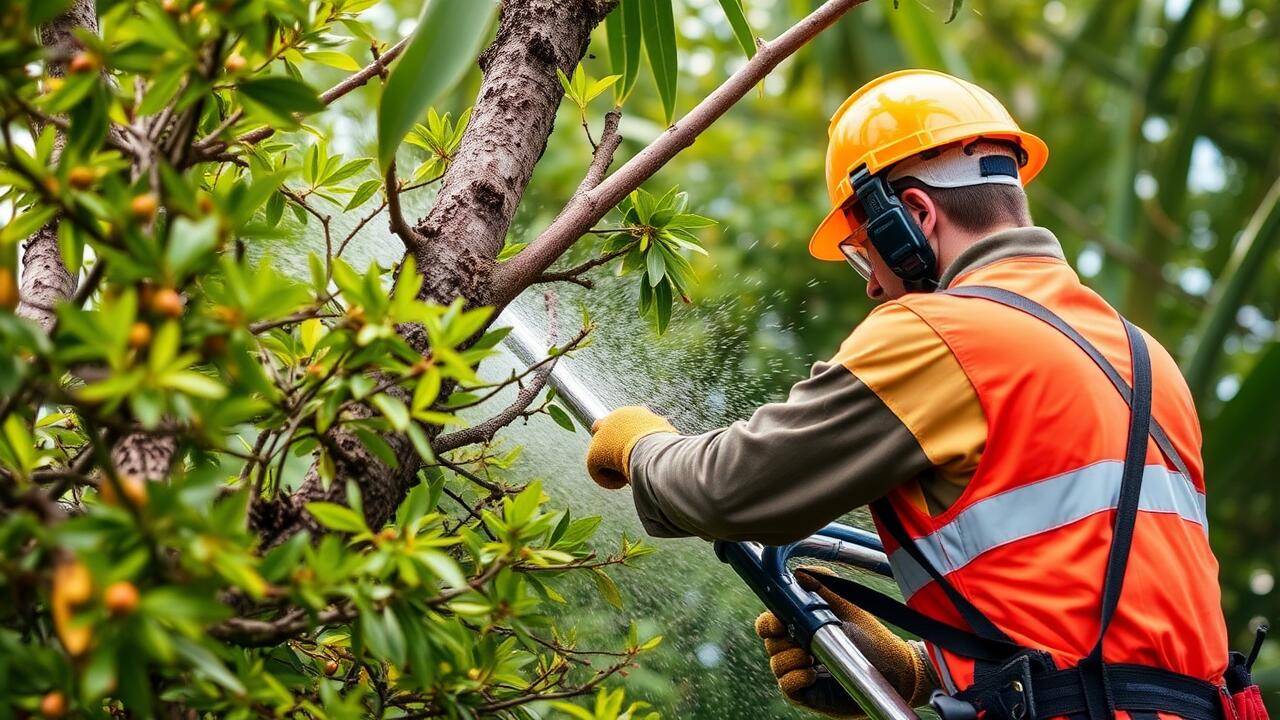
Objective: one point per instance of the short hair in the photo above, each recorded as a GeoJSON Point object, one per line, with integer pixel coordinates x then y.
{"type": "Point", "coordinates": [976, 207]}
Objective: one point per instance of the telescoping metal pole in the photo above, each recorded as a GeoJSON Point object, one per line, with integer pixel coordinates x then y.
{"type": "Point", "coordinates": [829, 644]}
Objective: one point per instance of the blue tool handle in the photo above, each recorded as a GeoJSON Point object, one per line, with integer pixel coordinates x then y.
{"type": "Point", "coordinates": [764, 570]}
{"type": "Point", "coordinates": [803, 612]}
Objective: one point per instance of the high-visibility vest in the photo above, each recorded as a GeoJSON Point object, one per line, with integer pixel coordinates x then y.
{"type": "Point", "coordinates": [1027, 541]}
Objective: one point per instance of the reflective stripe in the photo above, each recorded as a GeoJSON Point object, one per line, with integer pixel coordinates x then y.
{"type": "Point", "coordinates": [1040, 507]}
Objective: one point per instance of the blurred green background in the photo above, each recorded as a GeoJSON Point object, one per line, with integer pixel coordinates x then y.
{"type": "Point", "coordinates": [1163, 184]}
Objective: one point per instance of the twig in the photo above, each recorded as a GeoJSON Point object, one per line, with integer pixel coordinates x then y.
{"type": "Point", "coordinates": [586, 209]}
{"type": "Point", "coordinates": [484, 431]}
{"type": "Point", "coordinates": [396, 216]}
{"type": "Point", "coordinates": [574, 274]}
{"type": "Point", "coordinates": [207, 145]}
{"type": "Point", "coordinates": [602, 153]}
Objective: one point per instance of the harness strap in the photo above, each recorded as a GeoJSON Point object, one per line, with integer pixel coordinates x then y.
{"type": "Point", "coordinates": [896, 613]}
{"type": "Point", "coordinates": [981, 625]}
{"type": "Point", "coordinates": [1134, 688]}
{"type": "Point", "coordinates": [1044, 314]}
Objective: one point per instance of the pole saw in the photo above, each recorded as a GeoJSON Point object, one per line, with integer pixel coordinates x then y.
{"type": "Point", "coordinates": [808, 618]}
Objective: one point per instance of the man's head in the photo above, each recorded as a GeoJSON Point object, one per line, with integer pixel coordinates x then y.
{"type": "Point", "coordinates": [920, 165]}
{"type": "Point", "coordinates": [957, 196]}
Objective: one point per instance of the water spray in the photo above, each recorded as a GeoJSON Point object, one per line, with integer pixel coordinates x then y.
{"type": "Point", "coordinates": [807, 616]}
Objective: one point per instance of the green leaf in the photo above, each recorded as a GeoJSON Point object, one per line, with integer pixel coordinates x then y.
{"type": "Point", "coordinates": [342, 61]}
{"type": "Point", "coordinates": [337, 517]}
{"type": "Point", "coordinates": [281, 96]}
{"type": "Point", "coordinates": [443, 48]}
{"type": "Point", "coordinates": [608, 589]}
{"type": "Point", "coordinates": [208, 664]}
{"type": "Point", "coordinates": [195, 384]}
{"type": "Point", "coordinates": [624, 35]}
{"type": "Point", "coordinates": [655, 266]}
{"type": "Point", "coordinates": [741, 29]}
{"type": "Point", "coordinates": [561, 417]}
{"type": "Point", "coordinates": [362, 194]}
{"type": "Point", "coordinates": [659, 27]}
{"type": "Point", "coordinates": [393, 410]}
{"type": "Point", "coordinates": [191, 242]}
{"type": "Point", "coordinates": [662, 301]}
{"type": "Point", "coordinates": [444, 567]}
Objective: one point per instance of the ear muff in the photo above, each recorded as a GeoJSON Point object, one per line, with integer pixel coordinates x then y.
{"type": "Point", "coordinates": [894, 233]}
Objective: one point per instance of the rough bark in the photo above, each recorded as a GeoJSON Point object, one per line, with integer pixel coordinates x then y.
{"type": "Point", "coordinates": [46, 281]}
{"type": "Point", "coordinates": [45, 278]}
{"type": "Point", "coordinates": [464, 231]}
{"type": "Point", "coordinates": [505, 138]}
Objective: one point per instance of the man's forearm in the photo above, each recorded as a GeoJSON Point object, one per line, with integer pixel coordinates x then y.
{"type": "Point", "coordinates": [787, 471]}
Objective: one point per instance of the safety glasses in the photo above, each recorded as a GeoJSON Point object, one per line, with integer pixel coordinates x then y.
{"type": "Point", "coordinates": [852, 248]}
{"type": "Point", "coordinates": [858, 259]}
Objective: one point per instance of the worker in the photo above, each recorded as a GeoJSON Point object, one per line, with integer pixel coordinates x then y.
{"type": "Point", "coordinates": [989, 443]}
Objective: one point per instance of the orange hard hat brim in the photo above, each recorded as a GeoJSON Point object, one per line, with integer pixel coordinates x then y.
{"type": "Point", "coordinates": [835, 230]}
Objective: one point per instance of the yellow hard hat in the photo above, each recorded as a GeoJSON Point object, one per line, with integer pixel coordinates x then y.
{"type": "Point", "coordinates": [899, 115]}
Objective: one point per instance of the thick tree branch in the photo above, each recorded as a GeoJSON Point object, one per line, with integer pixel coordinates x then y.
{"type": "Point", "coordinates": [464, 232]}
{"type": "Point", "coordinates": [585, 210]}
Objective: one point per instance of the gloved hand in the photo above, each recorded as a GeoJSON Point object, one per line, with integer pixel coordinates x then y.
{"type": "Point", "coordinates": [808, 684]}
{"type": "Point", "coordinates": [612, 438]}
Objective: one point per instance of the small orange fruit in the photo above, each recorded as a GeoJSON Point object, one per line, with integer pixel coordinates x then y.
{"type": "Point", "coordinates": [235, 63]}
{"type": "Point", "coordinates": [82, 177]}
{"type": "Point", "coordinates": [331, 667]}
{"type": "Point", "coordinates": [72, 587]}
{"type": "Point", "coordinates": [167, 302]}
{"type": "Point", "coordinates": [135, 491]}
{"type": "Point", "coordinates": [144, 207]}
{"type": "Point", "coordinates": [120, 598]}
{"type": "Point", "coordinates": [53, 705]}
{"type": "Point", "coordinates": [8, 289]}
{"type": "Point", "coordinates": [83, 62]}
{"type": "Point", "coordinates": [139, 335]}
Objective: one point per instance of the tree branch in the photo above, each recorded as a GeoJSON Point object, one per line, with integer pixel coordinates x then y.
{"type": "Point", "coordinates": [574, 274]}
{"type": "Point", "coordinates": [484, 431]}
{"type": "Point", "coordinates": [395, 217]}
{"type": "Point", "coordinates": [585, 210]}
{"type": "Point", "coordinates": [602, 157]}
{"type": "Point", "coordinates": [209, 145]}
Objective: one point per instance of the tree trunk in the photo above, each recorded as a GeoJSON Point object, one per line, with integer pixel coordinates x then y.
{"type": "Point", "coordinates": [464, 231]}
{"type": "Point", "coordinates": [45, 278]}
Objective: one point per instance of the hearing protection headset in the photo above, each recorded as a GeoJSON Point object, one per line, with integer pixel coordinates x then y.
{"type": "Point", "coordinates": [894, 233]}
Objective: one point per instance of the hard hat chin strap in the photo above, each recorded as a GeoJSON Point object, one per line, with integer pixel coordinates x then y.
{"type": "Point", "coordinates": [894, 234]}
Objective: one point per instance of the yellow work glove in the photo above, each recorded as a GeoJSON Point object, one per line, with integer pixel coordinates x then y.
{"type": "Point", "coordinates": [612, 438]}
{"type": "Point", "coordinates": [806, 683]}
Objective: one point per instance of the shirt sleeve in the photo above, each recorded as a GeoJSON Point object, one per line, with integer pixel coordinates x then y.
{"type": "Point", "coordinates": [836, 443]}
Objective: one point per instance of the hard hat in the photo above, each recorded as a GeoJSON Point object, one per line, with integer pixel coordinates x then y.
{"type": "Point", "coordinates": [900, 115]}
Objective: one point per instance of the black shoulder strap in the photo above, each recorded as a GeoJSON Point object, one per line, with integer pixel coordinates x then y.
{"type": "Point", "coordinates": [1035, 309]}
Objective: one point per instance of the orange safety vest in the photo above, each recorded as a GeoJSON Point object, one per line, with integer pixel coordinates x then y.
{"type": "Point", "coordinates": [1027, 541]}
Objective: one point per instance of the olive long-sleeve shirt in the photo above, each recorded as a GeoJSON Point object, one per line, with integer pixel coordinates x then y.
{"type": "Point", "coordinates": [892, 405]}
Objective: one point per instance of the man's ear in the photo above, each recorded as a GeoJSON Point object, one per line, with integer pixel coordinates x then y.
{"type": "Point", "coordinates": [920, 206]}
